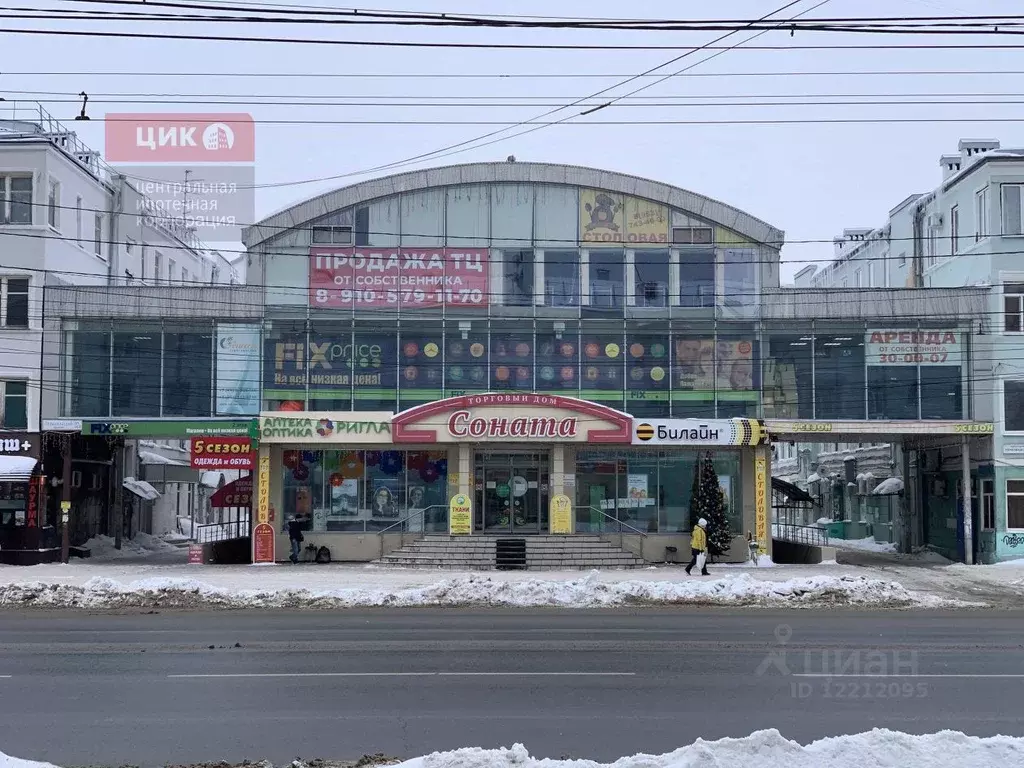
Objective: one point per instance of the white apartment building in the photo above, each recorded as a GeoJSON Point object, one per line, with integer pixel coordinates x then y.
{"type": "Point", "coordinates": [67, 217]}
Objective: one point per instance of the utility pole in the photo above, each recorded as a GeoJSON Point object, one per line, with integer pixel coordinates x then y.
{"type": "Point", "coordinates": [965, 456]}
{"type": "Point", "coordinates": [65, 496]}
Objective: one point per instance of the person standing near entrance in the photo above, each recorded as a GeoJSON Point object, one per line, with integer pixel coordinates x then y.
{"type": "Point", "coordinates": [295, 536]}
{"type": "Point", "coordinates": [699, 548]}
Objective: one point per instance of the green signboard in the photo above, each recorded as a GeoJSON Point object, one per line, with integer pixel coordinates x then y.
{"type": "Point", "coordinates": [172, 429]}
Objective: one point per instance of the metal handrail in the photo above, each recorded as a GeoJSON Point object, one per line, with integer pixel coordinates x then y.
{"type": "Point", "coordinates": [615, 519]}
{"type": "Point", "coordinates": [407, 518]}
{"type": "Point", "coordinates": [801, 534]}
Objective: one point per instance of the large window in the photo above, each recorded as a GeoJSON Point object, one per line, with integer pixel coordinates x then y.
{"type": "Point", "coordinates": [839, 376]}
{"type": "Point", "coordinates": [53, 205]}
{"type": "Point", "coordinates": [359, 491]}
{"type": "Point", "coordinates": [892, 392]}
{"type": "Point", "coordinates": [647, 490]}
{"type": "Point", "coordinates": [981, 214]}
{"type": "Point", "coordinates": [375, 366]}
{"type": "Point", "coordinates": [511, 361]}
{"type": "Point", "coordinates": [954, 229]}
{"type": "Point", "coordinates": [97, 238]}
{"type": "Point", "coordinates": [788, 379]}
{"type": "Point", "coordinates": [1013, 405]}
{"type": "Point", "coordinates": [14, 302]}
{"type": "Point", "coordinates": [136, 373]}
{"type": "Point", "coordinates": [696, 278]}
{"type": "Point", "coordinates": [562, 278]}
{"type": "Point", "coordinates": [465, 363]}
{"type": "Point", "coordinates": [694, 374]}
{"type": "Point", "coordinates": [739, 276]}
{"type": "Point", "coordinates": [15, 199]}
{"type": "Point", "coordinates": [651, 271]}
{"type": "Point", "coordinates": [941, 392]}
{"type": "Point", "coordinates": [647, 371]}
{"type": "Point", "coordinates": [89, 374]}
{"type": "Point", "coordinates": [13, 405]}
{"type": "Point", "coordinates": [517, 281]}
{"type": "Point", "coordinates": [188, 374]}
{"type": "Point", "coordinates": [1013, 307]}
{"type": "Point", "coordinates": [420, 362]}
{"type": "Point", "coordinates": [1012, 200]}
{"type": "Point", "coordinates": [607, 278]}
{"type": "Point", "coordinates": [602, 362]}
{"type": "Point", "coordinates": [1015, 504]}
{"type": "Point", "coordinates": [558, 357]}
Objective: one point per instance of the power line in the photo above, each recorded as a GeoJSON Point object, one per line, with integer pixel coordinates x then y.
{"type": "Point", "coordinates": [527, 75]}
{"type": "Point", "coordinates": [590, 123]}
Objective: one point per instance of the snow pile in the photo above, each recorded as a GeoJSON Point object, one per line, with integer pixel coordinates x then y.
{"type": "Point", "coordinates": [880, 748]}
{"type": "Point", "coordinates": [149, 457]}
{"type": "Point", "coordinates": [864, 545]}
{"type": "Point", "coordinates": [473, 590]}
{"type": "Point", "coordinates": [6, 761]}
{"type": "Point", "coordinates": [143, 545]}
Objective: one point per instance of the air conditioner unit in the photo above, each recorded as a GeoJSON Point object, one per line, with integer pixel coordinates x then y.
{"type": "Point", "coordinates": [934, 221]}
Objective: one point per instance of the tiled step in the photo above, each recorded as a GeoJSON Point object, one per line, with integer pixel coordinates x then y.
{"type": "Point", "coordinates": [478, 553]}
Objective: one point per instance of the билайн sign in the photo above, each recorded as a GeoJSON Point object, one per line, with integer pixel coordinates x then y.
{"type": "Point", "coordinates": [698, 432]}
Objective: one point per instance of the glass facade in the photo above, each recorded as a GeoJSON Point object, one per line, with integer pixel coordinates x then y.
{"type": "Point", "coordinates": [654, 367]}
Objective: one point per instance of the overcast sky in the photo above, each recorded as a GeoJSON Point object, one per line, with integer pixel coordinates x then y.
{"type": "Point", "coordinates": [811, 180]}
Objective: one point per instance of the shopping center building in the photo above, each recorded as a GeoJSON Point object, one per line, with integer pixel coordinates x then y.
{"type": "Point", "coordinates": [512, 334]}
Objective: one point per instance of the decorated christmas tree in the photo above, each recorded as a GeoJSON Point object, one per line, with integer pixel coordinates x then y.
{"type": "Point", "coordinates": [707, 500]}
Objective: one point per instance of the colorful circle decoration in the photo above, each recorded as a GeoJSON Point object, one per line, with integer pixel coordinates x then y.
{"type": "Point", "coordinates": [592, 350]}
{"type": "Point", "coordinates": [351, 465]}
{"type": "Point", "coordinates": [455, 373]}
{"type": "Point", "coordinates": [391, 462]}
{"type": "Point", "coordinates": [476, 350]}
{"type": "Point", "coordinates": [568, 374]}
{"type": "Point", "coordinates": [433, 375]}
{"type": "Point", "coordinates": [476, 374]}
{"type": "Point", "coordinates": [522, 350]}
{"type": "Point", "coordinates": [636, 374]}
{"type": "Point", "coordinates": [310, 457]}
{"type": "Point", "coordinates": [290, 459]}
{"type": "Point", "coordinates": [372, 458]}
{"type": "Point", "coordinates": [456, 349]}
{"type": "Point", "coordinates": [325, 427]}
{"type": "Point", "coordinates": [411, 349]}
{"type": "Point", "coordinates": [522, 373]}
{"type": "Point", "coordinates": [568, 350]}
{"type": "Point", "coordinates": [612, 374]}
{"type": "Point", "coordinates": [336, 479]}
{"type": "Point", "coordinates": [612, 350]}
{"type": "Point", "coordinates": [658, 373]}
{"type": "Point", "coordinates": [291, 405]}
{"type": "Point", "coordinates": [431, 350]}
{"type": "Point", "coordinates": [547, 373]}
{"type": "Point", "coordinates": [657, 350]}
{"type": "Point", "coordinates": [592, 373]}
{"type": "Point", "coordinates": [501, 373]}
{"type": "Point", "coordinates": [744, 347]}
{"type": "Point", "coordinates": [636, 350]}
{"type": "Point", "coordinates": [411, 373]}
{"type": "Point", "coordinates": [301, 472]}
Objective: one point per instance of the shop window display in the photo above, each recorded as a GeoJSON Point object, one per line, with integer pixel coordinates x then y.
{"type": "Point", "coordinates": [558, 362]}
{"type": "Point", "coordinates": [603, 364]}
{"type": "Point", "coordinates": [647, 372]}
{"type": "Point", "coordinates": [421, 367]}
{"type": "Point", "coordinates": [465, 364]}
{"type": "Point", "coordinates": [788, 379]}
{"type": "Point", "coordinates": [360, 491]}
{"type": "Point", "coordinates": [649, 491]}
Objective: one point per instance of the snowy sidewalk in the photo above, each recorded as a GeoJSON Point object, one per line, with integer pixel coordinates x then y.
{"type": "Point", "coordinates": [99, 584]}
{"type": "Point", "coordinates": [879, 748]}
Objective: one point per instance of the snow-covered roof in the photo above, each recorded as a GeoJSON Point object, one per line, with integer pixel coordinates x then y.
{"type": "Point", "coordinates": [211, 479]}
{"type": "Point", "coordinates": [889, 486]}
{"type": "Point", "coordinates": [149, 457]}
{"type": "Point", "coordinates": [141, 488]}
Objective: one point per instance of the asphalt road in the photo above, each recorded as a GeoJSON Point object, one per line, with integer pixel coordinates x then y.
{"type": "Point", "coordinates": [147, 689]}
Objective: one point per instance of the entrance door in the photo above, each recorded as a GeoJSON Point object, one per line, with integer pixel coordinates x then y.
{"type": "Point", "coordinates": [512, 492]}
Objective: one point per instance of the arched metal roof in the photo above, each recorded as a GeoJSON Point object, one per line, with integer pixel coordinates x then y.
{"type": "Point", "coordinates": [302, 214]}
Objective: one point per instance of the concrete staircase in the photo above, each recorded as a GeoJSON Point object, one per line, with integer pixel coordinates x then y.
{"type": "Point", "coordinates": [477, 553]}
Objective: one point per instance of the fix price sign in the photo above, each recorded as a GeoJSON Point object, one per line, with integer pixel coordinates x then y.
{"type": "Point", "coordinates": [388, 278]}
{"type": "Point", "coordinates": [222, 453]}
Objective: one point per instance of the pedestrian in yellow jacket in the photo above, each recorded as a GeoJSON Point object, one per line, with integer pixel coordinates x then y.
{"type": "Point", "coordinates": [699, 547]}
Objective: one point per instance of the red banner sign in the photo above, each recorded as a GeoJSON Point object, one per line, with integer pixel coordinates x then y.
{"type": "Point", "coordinates": [388, 278]}
{"type": "Point", "coordinates": [222, 453]}
{"type": "Point", "coordinates": [234, 494]}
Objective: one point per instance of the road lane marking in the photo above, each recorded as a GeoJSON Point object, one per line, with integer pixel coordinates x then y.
{"type": "Point", "coordinates": [400, 674]}
{"type": "Point", "coordinates": [938, 675]}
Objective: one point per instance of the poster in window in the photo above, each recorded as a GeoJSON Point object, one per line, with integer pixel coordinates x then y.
{"type": "Point", "coordinates": [557, 362]}
{"type": "Point", "coordinates": [602, 362]}
{"type": "Point", "coordinates": [238, 369]}
{"type": "Point", "coordinates": [420, 361]}
{"type": "Point", "coordinates": [385, 499]}
{"type": "Point", "coordinates": [512, 361]}
{"type": "Point", "coordinates": [373, 360]}
{"type": "Point", "coordinates": [466, 363]}
{"type": "Point", "coordinates": [728, 366]}
{"type": "Point", "coordinates": [284, 360]}
{"type": "Point", "coordinates": [901, 346]}
{"type": "Point", "coordinates": [608, 218]}
{"type": "Point", "coordinates": [327, 361]}
{"type": "Point", "coordinates": [647, 363]}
